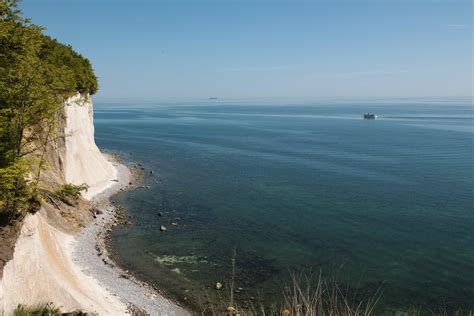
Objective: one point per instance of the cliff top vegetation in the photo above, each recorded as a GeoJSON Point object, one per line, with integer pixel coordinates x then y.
{"type": "Point", "coordinates": [37, 73]}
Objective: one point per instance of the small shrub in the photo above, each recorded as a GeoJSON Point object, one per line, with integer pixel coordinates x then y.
{"type": "Point", "coordinates": [41, 310]}
{"type": "Point", "coordinates": [69, 192]}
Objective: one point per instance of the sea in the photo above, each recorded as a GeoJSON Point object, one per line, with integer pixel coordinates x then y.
{"type": "Point", "coordinates": [288, 188]}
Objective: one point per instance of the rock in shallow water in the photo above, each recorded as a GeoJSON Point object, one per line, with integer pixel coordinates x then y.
{"type": "Point", "coordinates": [285, 312]}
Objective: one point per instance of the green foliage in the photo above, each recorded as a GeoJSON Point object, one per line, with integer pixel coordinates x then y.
{"type": "Point", "coordinates": [16, 196]}
{"type": "Point", "coordinates": [36, 74]}
{"type": "Point", "coordinates": [24, 45]}
{"type": "Point", "coordinates": [9, 11]}
{"type": "Point", "coordinates": [10, 186]}
{"type": "Point", "coordinates": [8, 139]}
{"type": "Point", "coordinates": [41, 310]}
{"type": "Point", "coordinates": [64, 57]}
{"type": "Point", "coordinates": [70, 191]}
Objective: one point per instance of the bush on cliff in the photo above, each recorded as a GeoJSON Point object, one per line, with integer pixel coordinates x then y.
{"type": "Point", "coordinates": [70, 191]}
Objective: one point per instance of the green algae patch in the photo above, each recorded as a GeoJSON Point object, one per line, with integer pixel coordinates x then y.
{"type": "Point", "coordinates": [173, 260]}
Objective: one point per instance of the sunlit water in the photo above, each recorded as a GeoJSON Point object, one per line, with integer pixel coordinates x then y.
{"type": "Point", "coordinates": [300, 185]}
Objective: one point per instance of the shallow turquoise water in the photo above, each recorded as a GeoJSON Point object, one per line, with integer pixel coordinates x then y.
{"type": "Point", "coordinates": [300, 185]}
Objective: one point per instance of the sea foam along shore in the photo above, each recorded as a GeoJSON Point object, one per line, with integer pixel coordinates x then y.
{"type": "Point", "coordinates": [90, 254]}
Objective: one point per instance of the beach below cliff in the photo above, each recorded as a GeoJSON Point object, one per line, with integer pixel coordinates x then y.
{"type": "Point", "coordinates": [55, 262]}
{"type": "Point", "coordinates": [90, 254]}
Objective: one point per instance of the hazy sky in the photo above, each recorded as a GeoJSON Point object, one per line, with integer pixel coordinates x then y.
{"type": "Point", "coordinates": [145, 50]}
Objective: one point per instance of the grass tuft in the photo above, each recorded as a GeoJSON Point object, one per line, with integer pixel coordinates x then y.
{"type": "Point", "coordinates": [47, 309]}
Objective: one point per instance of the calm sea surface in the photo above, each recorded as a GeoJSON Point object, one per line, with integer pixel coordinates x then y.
{"type": "Point", "coordinates": [300, 185]}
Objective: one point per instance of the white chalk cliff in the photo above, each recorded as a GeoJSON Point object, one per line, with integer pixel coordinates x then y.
{"type": "Point", "coordinates": [83, 161]}
{"type": "Point", "coordinates": [42, 269]}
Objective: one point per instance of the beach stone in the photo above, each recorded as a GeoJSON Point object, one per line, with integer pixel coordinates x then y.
{"type": "Point", "coordinates": [162, 228]}
{"type": "Point", "coordinates": [218, 286]}
{"type": "Point", "coordinates": [285, 312]}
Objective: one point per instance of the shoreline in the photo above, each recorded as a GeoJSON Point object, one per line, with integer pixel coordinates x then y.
{"type": "Point", "coordinates": [89, 253]}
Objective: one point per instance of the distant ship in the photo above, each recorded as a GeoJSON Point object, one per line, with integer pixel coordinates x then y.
{"type": "Point", "coordinates": [213, 98]}
{"type": "Point", "coordinates": [370, 116]}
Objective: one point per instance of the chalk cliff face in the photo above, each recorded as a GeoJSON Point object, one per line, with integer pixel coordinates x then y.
{"type": "Point", "coordinates": [83, 161]}
{"type": "Point", "coordinates": [42, 269]}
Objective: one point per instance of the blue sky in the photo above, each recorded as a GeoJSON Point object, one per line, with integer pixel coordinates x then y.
{"type": "Point", "coordinates": [147, 50]}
